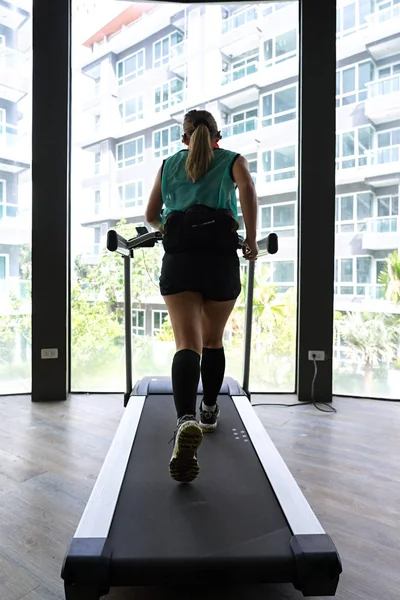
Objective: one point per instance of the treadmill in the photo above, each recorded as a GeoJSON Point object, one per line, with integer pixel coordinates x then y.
{"type": "Point", "coordinates": [243, 520]}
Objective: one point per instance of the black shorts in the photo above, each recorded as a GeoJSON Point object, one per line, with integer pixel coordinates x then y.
{"type": "Point", "coordinates": [215, 276]}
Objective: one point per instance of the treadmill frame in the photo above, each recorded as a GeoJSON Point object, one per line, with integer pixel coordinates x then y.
{"type": "Point", "coordinates": [87, 564]}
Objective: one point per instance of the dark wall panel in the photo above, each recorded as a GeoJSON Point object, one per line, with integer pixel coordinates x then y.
{"type": "Point", "coordinates": [50, 190]}
{"type": "Point", "coordinates": [317, 194]}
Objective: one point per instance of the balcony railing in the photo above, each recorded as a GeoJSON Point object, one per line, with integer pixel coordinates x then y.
{"type": "Point", "coordinates": [383, 225]}
{"type": "Point", "coordinates": [383, 16]}
{"type": "Point", "coordinates": [240, 127]}
{"type": "Point", "coordinates": [177, 51]}
{"type": "Point", "coordinates": [12, 59]}
{"type": "Point", "coordinates": [359, 291]}
{"type": "Point", "coordinates": [381, 156]}
{"type": "Point", "coordinates": [239, 18]}
{"type": "Point", "coordinates": [240, 72]}
{"type": "Point", "coordinates": [384, 86]}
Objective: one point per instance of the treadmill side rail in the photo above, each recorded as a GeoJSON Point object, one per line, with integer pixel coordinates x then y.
{"type": "Point", "coordinates": [87, 564]}
{"type": "Point", "coordinates": [318, 564]}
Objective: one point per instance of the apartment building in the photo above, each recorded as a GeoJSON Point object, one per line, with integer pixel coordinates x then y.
{"type": "Point", "coordinates": [15, 135]}
{"type": "Point", "coordinates": [150, 64]}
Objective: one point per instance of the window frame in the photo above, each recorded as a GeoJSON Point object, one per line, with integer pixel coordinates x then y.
{"type": "Point", "coordinates": [123, 80]}
{"type": "Point", "coordinates": [136, 159]}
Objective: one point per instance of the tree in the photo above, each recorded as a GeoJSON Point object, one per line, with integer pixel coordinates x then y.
{"type": "Point", "coordinates": [390, 277]}
{"type": "Point", "coordinates": [369, 340]}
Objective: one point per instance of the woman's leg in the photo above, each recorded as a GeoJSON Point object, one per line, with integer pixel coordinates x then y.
{"type": "Point", "coordinates": [185, 314]}
{"type": "Point", "coordinates": [214, 318]}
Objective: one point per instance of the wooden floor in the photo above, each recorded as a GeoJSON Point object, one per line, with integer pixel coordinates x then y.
{"type": "Point", "coordinates": [347, 464]}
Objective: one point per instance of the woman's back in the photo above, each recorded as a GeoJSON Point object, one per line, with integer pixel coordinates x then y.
{"type": "Point", "coordinates": [216, 189]}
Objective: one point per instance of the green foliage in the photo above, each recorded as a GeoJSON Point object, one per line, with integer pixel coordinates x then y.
{"type": "Point", "coordinates": [166, 334]}
{"type": "Point", "coordinates": [367, 336]}
{"type": "Point", "coordinates": [390, 277]}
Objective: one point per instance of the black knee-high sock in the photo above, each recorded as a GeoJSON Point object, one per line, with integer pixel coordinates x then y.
{"type": "Point", "coordinates": [212, 373]}
{"type": "Point", "coordinates": [185, 381]}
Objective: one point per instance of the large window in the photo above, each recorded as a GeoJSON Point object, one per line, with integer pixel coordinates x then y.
{"type": "Point", "coordinates": [168, 94]}
{"type": "Point", "coordinates": [131, 110]}
{"type": "Point", "coordinates": [116, 173]}
{"type": "Point", "coordinates": [130, 152]}
{"type": "Point", "coordinates": [163, 50]}
{"type": "Point", "coordinates": [15, 196]}
{"type": "Point", "coordinates": [351, 83]}
{"type": "Point", "coordinates": [279, 106]}
{"type": "Point", "coordinates": [367, 307]}
{"type": "Point", "coordinates": [167, 141]}
{"type": "Point", "coordinates": [131, 67]}
{"type": "Point", "coordinates": [281, 48]}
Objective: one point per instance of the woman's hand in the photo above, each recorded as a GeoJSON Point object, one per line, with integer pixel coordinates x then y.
{"type": "Point", "coordinates": [250, 248]}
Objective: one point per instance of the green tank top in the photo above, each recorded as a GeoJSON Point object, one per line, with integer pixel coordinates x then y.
{"type": "Point", "coordinates": [216, 189]}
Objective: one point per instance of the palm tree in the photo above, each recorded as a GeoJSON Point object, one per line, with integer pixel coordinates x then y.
{"type": "Point", "coordinates": [390, 277]}
{"type": "Point", "coordinates": [368, 338]}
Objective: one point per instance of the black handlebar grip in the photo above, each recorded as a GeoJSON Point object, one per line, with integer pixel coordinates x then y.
{"type": "Point", "coordinates": [112, 240]}
{"type": "Point", "coordinates": [272, 243]}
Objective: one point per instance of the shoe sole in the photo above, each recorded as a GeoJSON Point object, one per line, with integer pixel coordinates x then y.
{"type": "Point", "coordinates": [207, 427]}
{"type": "Point", "coordinates": [184, 466]}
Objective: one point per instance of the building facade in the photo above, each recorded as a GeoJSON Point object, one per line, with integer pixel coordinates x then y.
{"type": "Point", "coordinates": [15, 135]}
{"type": "Point", "coordinates": [146, 67]}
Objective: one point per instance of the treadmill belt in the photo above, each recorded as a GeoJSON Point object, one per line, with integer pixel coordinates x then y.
{"type": "Point", "coordinates": [228, 516]}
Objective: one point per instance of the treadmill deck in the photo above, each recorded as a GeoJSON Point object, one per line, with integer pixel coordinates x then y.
{"type": "Point", "coordinates": [228, 518]}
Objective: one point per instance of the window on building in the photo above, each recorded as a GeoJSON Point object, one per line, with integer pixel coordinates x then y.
{"type": "Point", "coordinates": [279, 163]}
{"type": "Point", "coordinates": [239, 68]}
{"type": "Point", "coordinates": [130, 194]}
{"type": "Point", "coordinates": [97, 122]}
{"type": "Point", "coordinates": [97, 161]}
{"type": "Point", "coordinates": [97, 240]}
{"type": "Point", "coordinates": [279, 218]}
{"type": "Point", "coordinates": [353, 211]}
{"type": "Point", "coordinates": [387, 208]}
{"type": "Point", "coordinates": [138, 322]}
{"type": "Point", "coordinates": [131, 67]}
{"type": "Point", "coordinates": [279, 106]}
{"type": "Point", "coordinates": [351, 83]}
{"type": "Point", "coordinates": [97, 202]}
{"type": "Point", "coordinates": [353, 276]}
{"type": "Point", "coordinates": [97, 83]}
{"type": "Point", "coordinates": [353, 148]}
{"type": "Point", "coordinates": [163, 48]}
{"type": "Point", "coordinates": [281, 48]}
{"type": "Point", "coordinates": [130, 152]}
{"type": "Point", "coordinates": [7, 209]}
{"type": "Point", "coordinates": [388, 146]}
{"type": "Point", "coordinates": [282, 274]}
{"type": "Point", "coordinates": [167, 141]}
{"type": "Point", "coordinates": [131, 110]}
{"type": "Point", "coordinates": [241, 122]}
{"type": "Point", "coordinates": [159, 317]}
{"type": "Point", "coordinates": [168, 94]}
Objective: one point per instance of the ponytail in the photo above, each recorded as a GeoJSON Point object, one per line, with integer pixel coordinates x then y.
{"type": "Point", "coordinates": [200, 153]}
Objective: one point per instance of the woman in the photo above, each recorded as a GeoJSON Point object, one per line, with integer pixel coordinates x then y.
{"type": "Point", "coordinates": [194, 204]}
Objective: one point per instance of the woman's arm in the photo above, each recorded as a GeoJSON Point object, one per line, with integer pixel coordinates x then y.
{"type": "Point", "coordinates": [154, 206]}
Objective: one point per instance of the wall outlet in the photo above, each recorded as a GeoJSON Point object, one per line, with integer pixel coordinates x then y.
{"type": "Point", "coordinates": [49, 353]}
{"type": "Point", "coordinates": [316, 355]}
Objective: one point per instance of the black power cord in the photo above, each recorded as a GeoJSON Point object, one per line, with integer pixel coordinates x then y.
{"type": "Point", "coordinates": [328, 408]}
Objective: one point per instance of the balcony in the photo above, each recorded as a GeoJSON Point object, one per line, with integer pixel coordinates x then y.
{"type": "Point", "coordinates": [15, 226]}
{"type": "Point", "coordinates": [378, 167]}
{"type": "Point", "coordinates": [15, 74]}
{"type": "Point", "coordinates": [383, 101]}
{"type": "Point", "coordinates": [241, 134]}
{"type": "Point", "coordinates": [178, 59]}
{"type": "Point", "coordinates": [382, 233]}
{"type": "Point", "coordinates": [240, 32]}
{"type": "Point", "coordinates": [95, 134]}
{"type": "Point", "coordinates": [110, 213]}
{"type": "Point", "coordinates": [239, 86]}
{"type": "Point", "coordinates": [382, 36]}
{"type": "Point", "coordinates": [15, 149]}
{"type": "Point", "coordinates": [366, 297]}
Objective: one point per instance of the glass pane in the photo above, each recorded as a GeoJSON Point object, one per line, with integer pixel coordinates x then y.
{"type": "Point", "coordinates": [366, 307]}
{"type": "Point", "coordinates": [15, 196]}
{"type": "Point", "coordinates": [98, 332]}
{"type": "Point", "coordinates": [349, 80]}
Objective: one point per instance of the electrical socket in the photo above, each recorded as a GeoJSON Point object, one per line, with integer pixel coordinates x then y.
{"type": "Point", "coordinates": [49, 353]}
{"type": "Point", "coordinates": [316, 355]}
